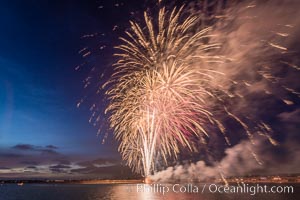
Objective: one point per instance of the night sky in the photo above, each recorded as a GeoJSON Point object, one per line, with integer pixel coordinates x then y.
{"type": "Point", "coordinates": [40, 124]}
{"type": "Point", "coordinates": [43, 131]}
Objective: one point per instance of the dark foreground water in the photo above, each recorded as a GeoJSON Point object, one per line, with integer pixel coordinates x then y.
{"type": "Point", "coordinates": [128, 192]}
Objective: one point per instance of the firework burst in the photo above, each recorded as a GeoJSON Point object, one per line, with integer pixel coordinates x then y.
{"type": "Point", "coordinates": [157, 95]}
{"type": "Point", "coordinates": [168, 90]}
{"type": "Point", "coordinates": [160, 88]}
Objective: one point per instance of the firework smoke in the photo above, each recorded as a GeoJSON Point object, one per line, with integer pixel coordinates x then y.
{"type": "Point", "coordinates": [259, 39]}
{"type": "Point", "coordinates": [178, 81]}
{"type": "Point", "coordinates": [238, 161]}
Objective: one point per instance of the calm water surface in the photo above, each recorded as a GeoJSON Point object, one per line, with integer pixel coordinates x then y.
{"type": "Point", "coordinates": [118, 191]}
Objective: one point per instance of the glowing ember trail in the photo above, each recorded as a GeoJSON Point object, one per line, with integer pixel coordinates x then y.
{"type": "Point", "coordinates": [171, 90]}
{"type": "Point", "coordinates": [157, 97]}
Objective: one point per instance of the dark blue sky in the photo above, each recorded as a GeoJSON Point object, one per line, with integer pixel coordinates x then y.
{"type": "Point", "coordinates": [38, 53]}
{"type": "Point", "coordinates": [42, 132]}
{"type": "Point", "coordinates": [39, 88]}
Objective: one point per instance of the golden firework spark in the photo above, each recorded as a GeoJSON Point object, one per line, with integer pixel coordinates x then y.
{"type": "Point", "coordinates": [160, 88]}
{"type": "Point", "coordinates": [166, 88]}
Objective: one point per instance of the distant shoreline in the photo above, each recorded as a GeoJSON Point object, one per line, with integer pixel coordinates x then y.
{"type": "Point", "coordinates": [84, 182]}
{"type": "Point", "coordinates": [232, 180]}
{"type": "Point", "coordinates": [110, 181]}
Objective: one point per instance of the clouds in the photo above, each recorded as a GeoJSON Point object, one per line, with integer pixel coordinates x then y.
{"type": "Point", "coordinates": [25, 159]}
{"type": "Point", "coordinates": [24, 147]}
{"type": "Point", "coordinates": [99, 162]}
{"type": "Point", "coordinates": [29, 147]}
{"type": "Point", "coordinates": [51, 147]}
{"type": "Point", "coordinates": [59, 168]}
{"type": "Point", "coordinates": [33, 161]}
{"type": "Point", "coordinates": [103, 168]}
{"type": "Point", "coordinates": [9, 155]}
{"type": "Point", "coordinates": [27, 156]}
{"type": "Point", "coordinates": [31, 167]}
{"type": "Point", "coordinates": [47, 150]}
